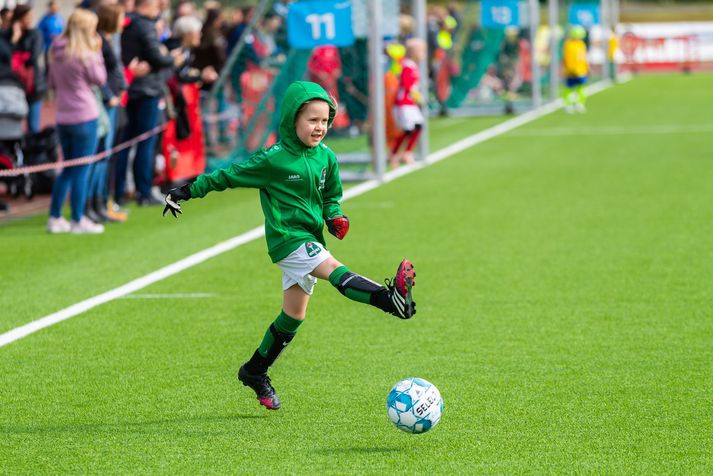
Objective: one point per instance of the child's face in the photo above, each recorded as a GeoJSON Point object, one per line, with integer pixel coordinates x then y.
{"type": "Point", "coordinates": [311, 124]}
{"type": "Point", "coordinates": [418, 53]}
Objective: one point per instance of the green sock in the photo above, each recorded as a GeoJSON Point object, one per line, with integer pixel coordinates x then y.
{"type": "Point", "coordinates": [337, 275]}
{"type": "Point", "coordinates": [581, 98]}
{"type": "Point", "coordinates": [567, 95]}
{"type": "Point", "coordinates": [284, 325]}
{"type": "Point", "coordinates": [353, 286]}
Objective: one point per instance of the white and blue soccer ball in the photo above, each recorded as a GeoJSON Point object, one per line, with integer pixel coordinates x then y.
{"type": "Point", "coordinates": [414, 405]}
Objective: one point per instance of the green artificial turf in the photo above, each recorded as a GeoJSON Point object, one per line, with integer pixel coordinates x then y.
{"type": "Point", "coordinates": [47, 273]}
{"type": "Point", "coordinates": [564, 312]}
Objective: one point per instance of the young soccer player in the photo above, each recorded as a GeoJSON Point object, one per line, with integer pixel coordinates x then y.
{"type": "Point", "coordinates": [407, 105]}
{"type": "Point", "coordinates": [300, 189]}
{"type": "Point", "coordinates": [576, 69]}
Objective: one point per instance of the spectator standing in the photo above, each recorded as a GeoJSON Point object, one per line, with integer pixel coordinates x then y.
{"type": "Point", "coordinates": [211, 54]}
{"type": "Point", "coordinates": [111, 21]}
{"type": "Point", "coordinates": [239, 22]}
{"type": "Point", "coordinates": [184, 8]}
{"type": "Point", "coordinates": [27, 50]}
{"type": "Point", "coordinates": [163, 22]}
{"type": "Point", "coordinates": [140, 40]}
{"type": "Point", "coordinates": [183, 144]}
{"type": "Point", "coordinates": [281, 8]}
{"type": "Point", "coordinates": [51, 25]}
{"type": "Point", "coordinates": [76, 65]}
{"type": "Point", "coordinates": [128, 9]}
{"type": "Point", "coordinates": [508, 59]}
{"type": "Point", "coordinates": [246, 58]}
{"type": "Point", "coordinates": [266, 40]}
{"type": "Point", "coordinates": [187, 36]}
{"type": "Point", "coordinates": [5, 18]}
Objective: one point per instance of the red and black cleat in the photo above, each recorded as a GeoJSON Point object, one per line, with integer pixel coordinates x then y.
{"type": "Point", "coordinates": [264, 390]}
{"type": "Point", "coordinates": [400, 291]}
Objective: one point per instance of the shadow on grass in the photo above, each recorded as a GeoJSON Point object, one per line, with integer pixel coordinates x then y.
{"type": "Point", "coordinates": [199, 425]}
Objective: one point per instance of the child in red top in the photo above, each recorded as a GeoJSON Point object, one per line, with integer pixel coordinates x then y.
{"type": "Point", "coordinates": [407, 107]}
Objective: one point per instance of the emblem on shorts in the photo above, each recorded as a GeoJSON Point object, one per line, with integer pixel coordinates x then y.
{"type": "Point", "coordinates": [313, 249]}
{"type": "Point", "coordinates": [323, 178]}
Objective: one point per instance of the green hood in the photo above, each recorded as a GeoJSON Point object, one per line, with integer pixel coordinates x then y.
{"type": "Point", "coordinates": [297, 94]}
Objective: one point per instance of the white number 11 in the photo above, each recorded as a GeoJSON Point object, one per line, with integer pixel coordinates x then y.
{"type": "Point", "coordinates": [316, 21]}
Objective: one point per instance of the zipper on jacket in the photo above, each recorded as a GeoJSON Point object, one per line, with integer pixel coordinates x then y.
{"type": "Point", "coordinates": [309, 171]}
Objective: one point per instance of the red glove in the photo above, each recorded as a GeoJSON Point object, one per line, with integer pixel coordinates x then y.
{"type": "Point", "coordinates": [338, 226]}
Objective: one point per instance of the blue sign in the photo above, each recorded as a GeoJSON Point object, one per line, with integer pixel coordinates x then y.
{"type": "Point", "coordinates": [584, 14]}
{"type": "Point", "coordinates": [320, 22]}
{"type": "Point", "coordinates": [499, 13]}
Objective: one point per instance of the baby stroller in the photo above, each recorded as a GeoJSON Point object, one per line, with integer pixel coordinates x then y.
{"type": "Point", "coordinates": [13, 111]}
{"type": "Point", "coordinates": [18, 150]}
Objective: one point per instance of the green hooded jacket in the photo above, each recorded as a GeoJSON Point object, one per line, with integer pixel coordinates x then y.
{"type": "Point", "coordinates": [299, 185]}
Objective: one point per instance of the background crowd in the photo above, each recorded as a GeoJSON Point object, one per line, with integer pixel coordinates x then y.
{"type": "Point", "coordinates": [114, 72]}
{"type": "Point", "coordinates": [107, 73]}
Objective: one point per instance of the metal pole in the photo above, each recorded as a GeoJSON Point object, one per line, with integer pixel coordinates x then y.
{"type": "Point", "coordinates": [605, 12]}
{"type": "Point", "coordinates": [377, 90]}
{"type": "Point", "coordinates": [553, 14]}
{"type": "Point", "coordinates": [536, 76]}
{"type": "Point", "coordinates": [419, 10]}
{"type": "Point", "coordinates": [614, 24]}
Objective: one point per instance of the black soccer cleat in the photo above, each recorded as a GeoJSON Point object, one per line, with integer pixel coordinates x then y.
{"type": "Point", "coordinates": [264, 390]}
{"type": "Point", "coordinates": [400, 291]}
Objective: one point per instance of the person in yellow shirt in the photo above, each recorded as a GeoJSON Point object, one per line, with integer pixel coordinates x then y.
{"type": "Point", "coordinates": [576, 69]}
{"type": "Point", "coordinates": [613, 48]}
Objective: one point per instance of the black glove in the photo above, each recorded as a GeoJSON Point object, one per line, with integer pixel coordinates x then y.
{"type": "Point", "coordinates": [174, 196]}
{"type": "Point", "coordinates": [338, 226]}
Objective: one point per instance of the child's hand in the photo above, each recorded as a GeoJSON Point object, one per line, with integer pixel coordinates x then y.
{"type": "Point", "coordinates": [174, 196]}
{"type": "Point", "coordinates": [338, 226]}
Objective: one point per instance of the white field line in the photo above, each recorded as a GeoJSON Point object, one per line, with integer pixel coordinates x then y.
{"type": "Point", "coordinates": [197, 258]}
{"type": "Point", "coordinates": [614, 130]}
{"type": "Point", "coordinates": [168, 296]}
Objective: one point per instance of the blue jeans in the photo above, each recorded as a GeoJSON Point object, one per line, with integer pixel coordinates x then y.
{"type": "Point", "coordinates": [34, 115]}
{"type": "Point", "coordinates": [99, 172]}
{"type": "Point", "coordinates": [78, 140]}
{"type": "Point", "coordinates": [142, 116]}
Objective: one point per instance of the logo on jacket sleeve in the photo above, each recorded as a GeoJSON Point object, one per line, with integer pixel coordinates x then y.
{"type": "Point", "coordinates": [294, 177]}
{"type": "Point", "coordinates": [313, 249]}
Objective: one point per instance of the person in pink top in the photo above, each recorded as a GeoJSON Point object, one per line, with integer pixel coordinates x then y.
{"type": "Point", "coordinates": [76, 66]}
{"type": "Point", "coordinates": [407, 105]}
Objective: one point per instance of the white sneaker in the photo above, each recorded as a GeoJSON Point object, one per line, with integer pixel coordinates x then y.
{"type": "Point", "coordinates": [579, 107]}
{"type": "Point", "coordinates": [58, 225]}
{"type": "Point", "coordinates": [85, 225]}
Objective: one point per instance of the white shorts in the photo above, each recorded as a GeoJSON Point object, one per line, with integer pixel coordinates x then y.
{"type": "Point", "coordinates": [408, 117]}
{"type": "Point", "coordinates": [297, 266]}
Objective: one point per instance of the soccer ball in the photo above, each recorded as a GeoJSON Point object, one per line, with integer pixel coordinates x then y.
{"type": "Point", "coordinates": [414, 405]}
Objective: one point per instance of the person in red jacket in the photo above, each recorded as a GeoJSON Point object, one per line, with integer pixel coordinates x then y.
{"type": "Point", "coordinates": [407, 106]}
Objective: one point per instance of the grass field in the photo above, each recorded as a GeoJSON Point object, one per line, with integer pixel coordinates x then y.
{"type": "Point", "coordinates": [564, 312]}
